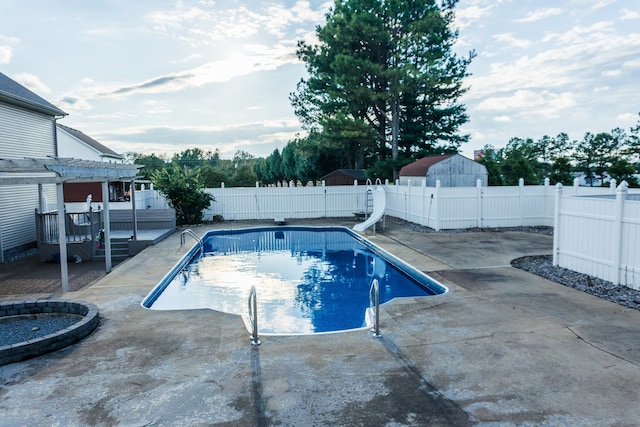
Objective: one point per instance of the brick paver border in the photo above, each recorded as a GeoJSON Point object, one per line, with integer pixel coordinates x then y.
{"type": "Point", "coordinates": [52, 342]}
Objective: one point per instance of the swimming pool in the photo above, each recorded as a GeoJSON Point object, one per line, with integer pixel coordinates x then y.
{"type": "Point", "coordinates": [307, 279]}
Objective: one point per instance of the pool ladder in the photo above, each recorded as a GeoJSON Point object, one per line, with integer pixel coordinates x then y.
{"type": "Point", "coordinates": [191, 233]}
{"type": "Point", "coordinates": [374, 305]}
{"type": "Point", "coordinates": [253, 316]}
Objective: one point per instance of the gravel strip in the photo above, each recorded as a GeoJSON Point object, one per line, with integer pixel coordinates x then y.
{"type": "Point", "coordinates": [16, 329]}
{"type": "Point", "coordinates": [423, 229]}
{"type": "Point", "coordinates": [542, 266]}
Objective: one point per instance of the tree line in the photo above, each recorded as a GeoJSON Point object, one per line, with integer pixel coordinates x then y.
{"type": "Point", "coordinates": [600, 157]}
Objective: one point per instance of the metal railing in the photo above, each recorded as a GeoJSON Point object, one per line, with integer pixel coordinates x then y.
{"type": "Point", "coordinates": [253, 316]}
{"type": "Point", "coordinates": [191, 233]}
{"type": "Point", "coordinates": [374, 306]}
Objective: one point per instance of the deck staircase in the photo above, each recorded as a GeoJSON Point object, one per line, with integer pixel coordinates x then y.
{"type": "Point", "coordinates": [119, 251]}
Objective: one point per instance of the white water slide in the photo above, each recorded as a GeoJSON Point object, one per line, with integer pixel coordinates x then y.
{"type": "Point", "coordinates": [379, 205]}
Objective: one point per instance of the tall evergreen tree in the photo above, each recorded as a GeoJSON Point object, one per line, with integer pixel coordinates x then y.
{"type": "Point", "coordinates": [387, 65]}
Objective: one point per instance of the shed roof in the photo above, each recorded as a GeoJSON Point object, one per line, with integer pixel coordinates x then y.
{"type": "Point", "coordinates": [358, 174]}
{"type": "Point", "coordinates": [421, 166]}
{"type": "Point", "coordinates": [102, 149]}
{"type": "Point", "coordinates": [12, 92]}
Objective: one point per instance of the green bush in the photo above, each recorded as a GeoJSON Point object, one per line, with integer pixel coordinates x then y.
{"type": "Point", "coordinates": [182, 189]}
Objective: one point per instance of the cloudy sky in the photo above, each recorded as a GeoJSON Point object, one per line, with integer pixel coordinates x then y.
{"type": "Point", "coordinates": [161, 76]}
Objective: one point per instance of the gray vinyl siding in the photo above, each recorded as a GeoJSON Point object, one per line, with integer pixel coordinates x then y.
{"type": "Point", "coordinates": [25, 133]}
{"type": "Point", "coordinates": [17, 212]}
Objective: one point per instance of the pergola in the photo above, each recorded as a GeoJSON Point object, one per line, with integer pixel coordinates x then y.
{"type": "Point", "coordinates": [42, 171]}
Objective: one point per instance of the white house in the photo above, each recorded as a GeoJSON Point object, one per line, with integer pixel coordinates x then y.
{"type": "Point", "coordinates": [31, 172]}
{"type": "Point", "coordinates": [27, 130]}
{"type": "Point", "coordinates": [452, 170]}
{"type": "Point", "coordinates": [73, 143]}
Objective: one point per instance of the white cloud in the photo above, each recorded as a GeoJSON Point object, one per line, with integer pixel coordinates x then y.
{"type": "Point", "coordinates": [633, 63]}
{"type": "Point", "coordinates": [194, 57]}
{"type": "Point", "coordinates": [5, 54]}
{"type": "Point", "coordinates": [6, 49]}
{"type": "Point", "coordinates": [601, 4]}
{"type": "Point", "coordinates": [208, 24]}
{"type": "Point", "coordinates": [630, 14]}
{"type": "Point", "coordinates": [540, 14]}
{"type": "Point", "coordinates": [542, 103]}
{"type": "Point", "coordinates": [502, 119]}
{"type": "Point", "coordinates": [31, 82]}
{"type": "Point", "coordinates": [574, 59]}
{"type": "Point", "coordinates": [467, 15]}
{"type": "Point", "coordinates": [631, 118]}
{"type": "Point", "coordinates": [253, 59]}
{"type": "Point", "coordinates": [611, 73]}
{"type": "Point", "coordinates": [512, 41]}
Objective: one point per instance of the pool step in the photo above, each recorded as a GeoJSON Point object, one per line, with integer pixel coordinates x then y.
{"type": "Point", "coordinates": [119, 251]}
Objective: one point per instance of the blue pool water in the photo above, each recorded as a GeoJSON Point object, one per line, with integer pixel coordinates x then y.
{"type": "Point", "coordinates": [307, 279]}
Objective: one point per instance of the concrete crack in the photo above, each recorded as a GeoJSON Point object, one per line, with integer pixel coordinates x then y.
{"type": "Point", "coordinates": [601, 349]}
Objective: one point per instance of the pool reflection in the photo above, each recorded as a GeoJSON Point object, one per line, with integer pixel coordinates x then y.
{"type": "Point", "coordinates": [305, 281]}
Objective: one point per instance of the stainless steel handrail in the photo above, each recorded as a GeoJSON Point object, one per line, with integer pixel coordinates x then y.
{"type": "Point", "coordinates": [374, 305]}
{"type": "Point", "coordinates": [253, 316]}
{"type": "Point", "coordinates": [192, 234]}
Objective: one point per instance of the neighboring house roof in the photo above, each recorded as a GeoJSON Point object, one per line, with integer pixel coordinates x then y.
{"type": "Point", "coordinates": [421, 166]}
{"type": "Point", "coordinates": [358, 174]}
{"type": "Point", "coordinates": [103, 150]}
{"type": "Point", "coordinates": [12, 92]}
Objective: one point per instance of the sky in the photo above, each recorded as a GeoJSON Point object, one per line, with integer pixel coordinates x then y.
{"type": "Point", "coordinates": [163, 76]}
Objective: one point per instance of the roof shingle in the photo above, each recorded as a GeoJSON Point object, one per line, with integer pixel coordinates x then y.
{"type": "Point", "coordinates": [14, 93]}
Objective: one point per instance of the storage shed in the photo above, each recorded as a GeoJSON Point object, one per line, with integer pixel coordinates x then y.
{"type": "Point", "coordinates": [452, 170]}
{"type": "Point", "coordinates": [345, 177]}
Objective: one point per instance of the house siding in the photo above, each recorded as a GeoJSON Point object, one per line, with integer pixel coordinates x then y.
{"type": "Point", "coordinates": [26, 133]}
{"type": "Point", "coordinates": [70, 147]}
{"type": "Point", "coordinates": [17, 210]}
{"type": "Point", "coordinates": [23, 133]}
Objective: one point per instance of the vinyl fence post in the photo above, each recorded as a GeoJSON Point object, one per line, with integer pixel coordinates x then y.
{"type": "Point", "coordinates": [324, 191]}
{"type": "Point", "coordinates": [257, 200]}
{"type": "Point", "coordinates": [621, 195]}
{"type": "Point", "coordinates": [520, 190]}
{"type": "Point", "coordinates": [437, 197]}
{"type": "Point", "coordinates": [545, 202]}
{"type": "Point", "coordinates": [424, 200]}
{"type": "Point", "coordinates": [479, 202]}
{"type": "Point", "coordinates": [556, 224]}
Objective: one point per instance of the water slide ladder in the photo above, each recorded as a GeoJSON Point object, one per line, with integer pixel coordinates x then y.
{"type": "Point", "coordinates": [373, 212]}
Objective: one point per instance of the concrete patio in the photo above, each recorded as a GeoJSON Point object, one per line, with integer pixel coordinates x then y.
{"type": "Point", "coordinates": [502, 348]}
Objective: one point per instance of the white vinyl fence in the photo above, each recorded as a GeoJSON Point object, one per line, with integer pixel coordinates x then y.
{"type": "Point", "coordinates": [440, 208]}
{"type": "Point", "coordinates": [599, 236]}
{"type": "Point", "coordinates": [286, 202]}
{"type": "Point", "coordinates": [596, 229]}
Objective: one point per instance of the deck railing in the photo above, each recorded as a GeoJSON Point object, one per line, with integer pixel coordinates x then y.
{"type": "Point", "coordinates": [80, 226]}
